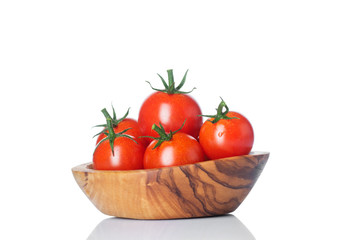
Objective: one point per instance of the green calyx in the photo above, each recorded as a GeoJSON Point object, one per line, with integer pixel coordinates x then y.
{"type": "Point", "coordinates": [114, 121]}
{"type": "Point", "coordinates": [170, 86]}
{"type": "Point", "coordinates": [163, 136]}
{"type": "Point", "coordinates": [220, 113]}
{"type": "Point", "coordinates": [109, 131]}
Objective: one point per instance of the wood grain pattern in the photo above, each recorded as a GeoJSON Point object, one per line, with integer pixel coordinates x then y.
{"type": "Point", "coordinates": [208, 188]}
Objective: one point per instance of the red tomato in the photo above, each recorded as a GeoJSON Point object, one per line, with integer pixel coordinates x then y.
{"type": "Point", "coordinates": [171, 110]}
{"type": "Point", "coordinates": [117, 150]}
{"type": "Point", "coordinates": [128, 155]}
{"type": "Point", "coordinates": [227, 137]}
{"type": "Point", "coordinates": [170, 107]}
{"type": "Point", "coordinates": [173, 149]}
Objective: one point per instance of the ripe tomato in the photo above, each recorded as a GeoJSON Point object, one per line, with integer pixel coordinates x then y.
{"type": "Point", "coordinates": [173, 149]}
{"type": "Point", "coordinates": [117, 151]}
{"type": "Point", "coordinates": [170, 107]}
{"type": "Point", "coordinates": [127, 155]}
{"type": "Point", "coordinates": [231, 135]}
{"type": "Point", "coordinates": [122, 124]}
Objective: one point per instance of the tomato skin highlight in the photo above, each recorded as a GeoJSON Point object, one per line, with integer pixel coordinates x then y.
{"type": "Point", "coordinates": [134, 130]}
{"type": "Point", "coordinates": [227, 137]}
{"type": "Point", "coordinates": [181, 149]}
{"type": "Point", "coordinates": [128, 155]}
{"type": "Point", "coordinates": [171, 110]}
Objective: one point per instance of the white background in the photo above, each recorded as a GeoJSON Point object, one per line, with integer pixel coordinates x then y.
{"type": "Point", "coordinates": [291, 67]}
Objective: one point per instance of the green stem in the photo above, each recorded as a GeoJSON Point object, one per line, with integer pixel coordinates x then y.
{"type": "Point", "coordinates": [163, 136]}
{"type": "Point", "coordinates": [111, 134]}
{"type": "Point", "coordinates": [219, 113]}
{"type": "Point", "coordinates": [171, 85]}
{"type": "Point", "coordinates": [109, 122]}
{"type": "Point", "coordinates": [161, 132]}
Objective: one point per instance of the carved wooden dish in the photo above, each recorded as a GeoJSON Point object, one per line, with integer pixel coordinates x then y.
{"type": "Point", "coordinates": [209, 188]}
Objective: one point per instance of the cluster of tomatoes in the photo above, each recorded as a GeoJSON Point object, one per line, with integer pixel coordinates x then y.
{"type": "Point", "coordinates": [170, 132]}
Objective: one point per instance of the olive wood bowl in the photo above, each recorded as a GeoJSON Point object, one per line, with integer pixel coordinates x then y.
{"type": "Point", "coordinates": [208, 188]}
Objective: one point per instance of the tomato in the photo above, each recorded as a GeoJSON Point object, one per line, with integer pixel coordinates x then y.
{"type": "Point", "coordinates": [117, 151]}
{"type": "Point", "coordinates": [226, 134]}
{"type": "Point", "coordinates": [170, 107]}
{"type": "Point", "coordinates": [127, 155]}
{"type": "Point", "coordinates": [122, 124]}
{"type": "Point", "coordinates": [173, 149]}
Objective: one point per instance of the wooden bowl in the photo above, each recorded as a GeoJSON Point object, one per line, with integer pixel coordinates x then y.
{"type": "Point", "coordinates": [209, 188]}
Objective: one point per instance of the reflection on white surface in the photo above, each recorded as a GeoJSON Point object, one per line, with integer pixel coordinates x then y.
{"type": "Point", "coordinates": [225, 227]}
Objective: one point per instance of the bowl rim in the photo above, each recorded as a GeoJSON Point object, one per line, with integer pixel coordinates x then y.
{"type": "Point", "coordinates": [85, 166]}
